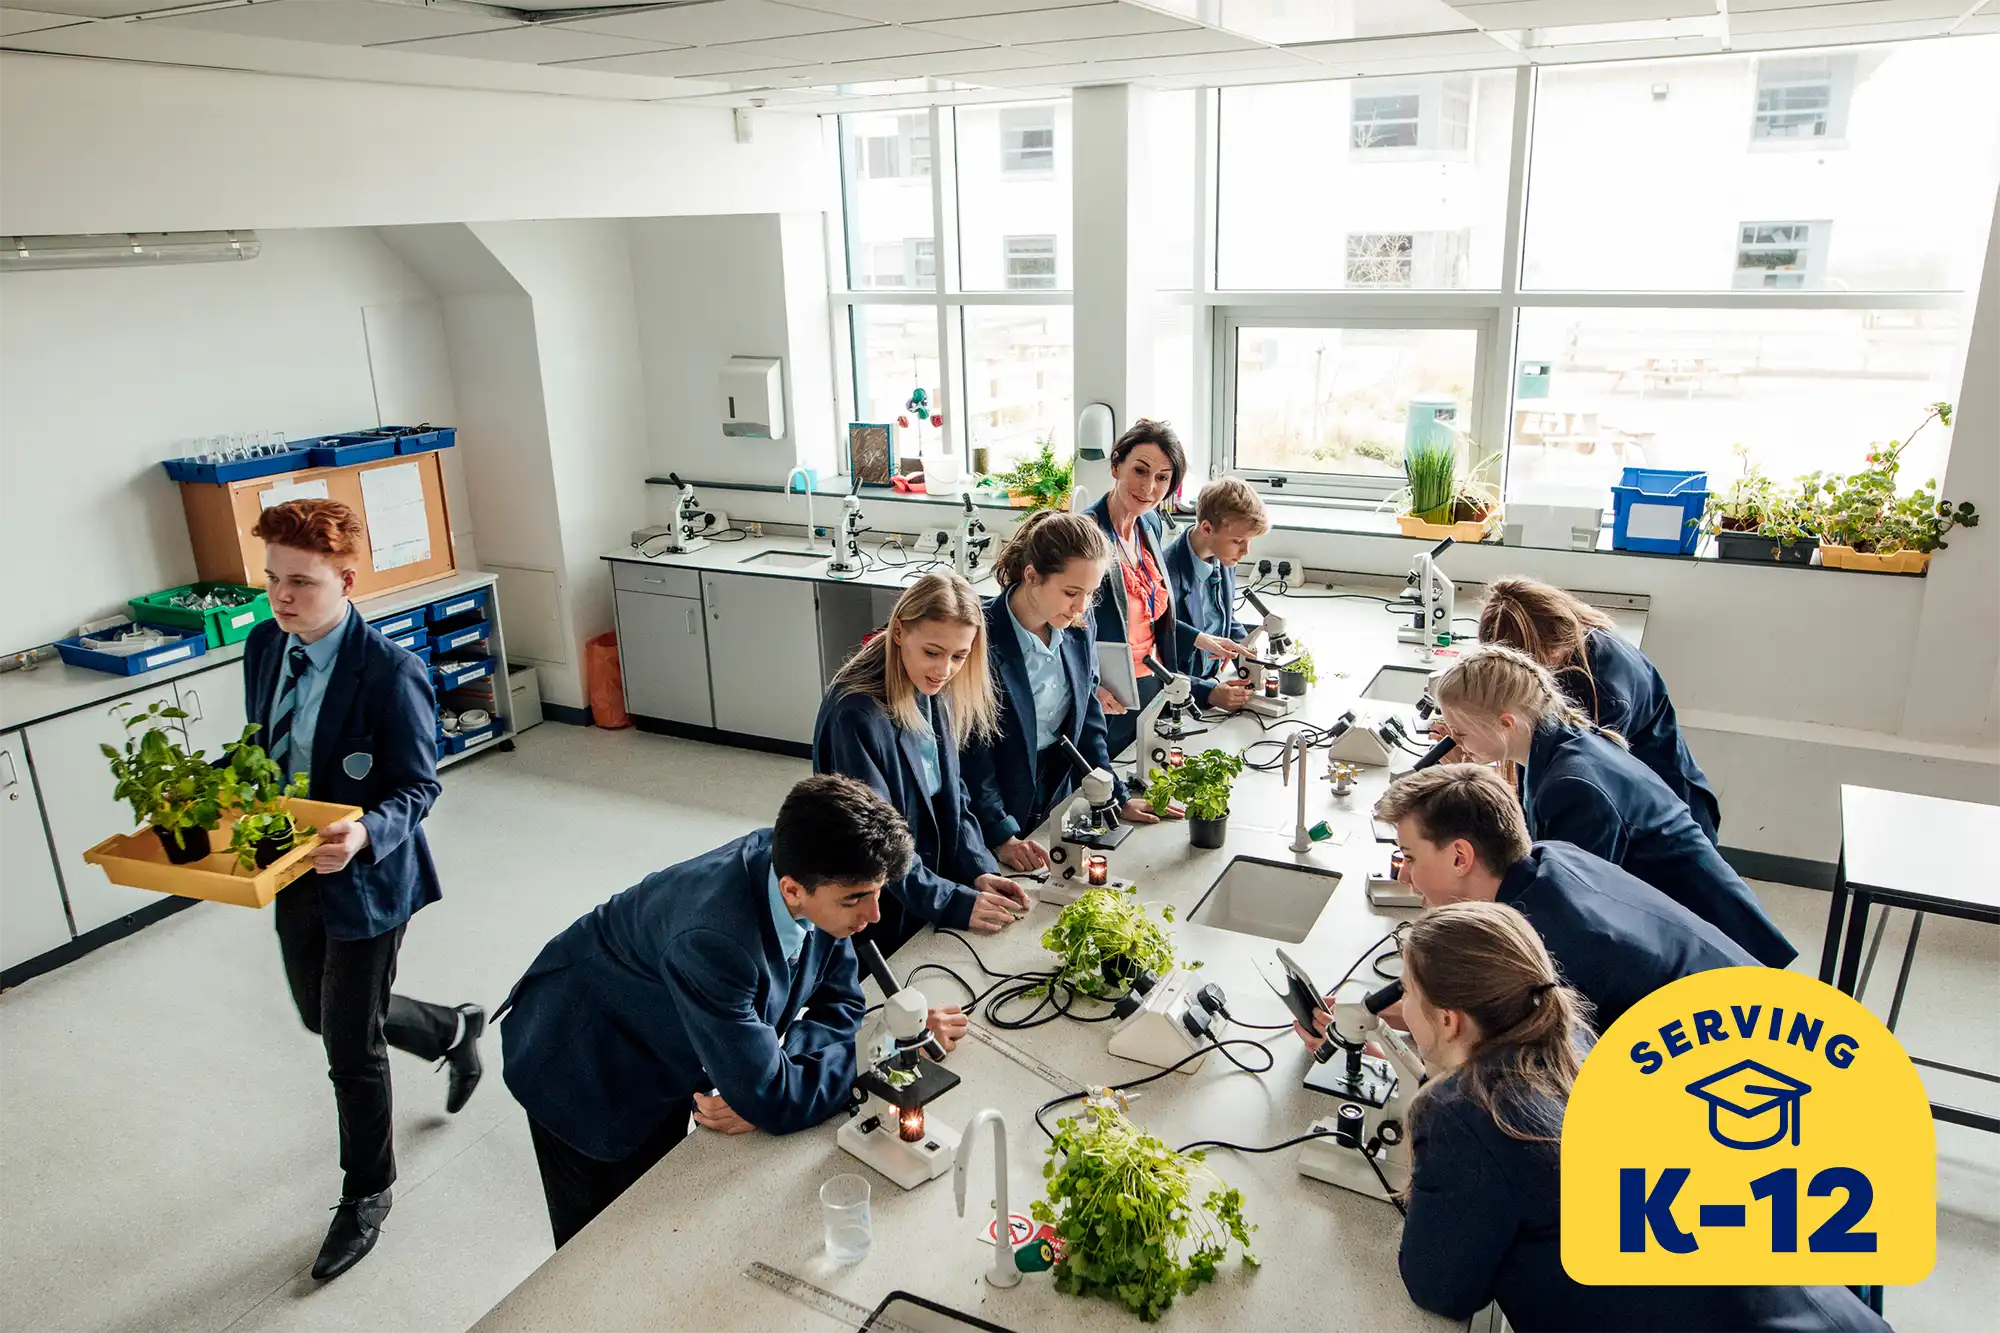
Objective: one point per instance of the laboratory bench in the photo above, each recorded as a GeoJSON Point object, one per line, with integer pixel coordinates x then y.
{"type": "Point", "coordinates": [53, 717]}
{"type": "Point", "coordinates": [674, 1249]}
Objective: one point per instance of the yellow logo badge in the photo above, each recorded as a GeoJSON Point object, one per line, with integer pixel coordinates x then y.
{"type": "Point", "coordinates": [1749, 1126]}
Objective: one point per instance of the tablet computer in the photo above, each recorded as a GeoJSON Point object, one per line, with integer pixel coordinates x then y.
{"type": "Point", "coordinates": [1114, 669]}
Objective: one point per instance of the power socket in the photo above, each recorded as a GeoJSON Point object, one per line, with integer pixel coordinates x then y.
{"type": "Point", "coordinates": [933, 544]}
{"type": "Point", "coordinates": [717, 522]}
{"type": "Point", "coordinates": [1289, 568]}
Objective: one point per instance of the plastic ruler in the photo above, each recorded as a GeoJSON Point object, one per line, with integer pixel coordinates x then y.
{"type": "Point", "coordinates": [1055, 1078]}
{"type": "Point", "coordinates": [840, 1310]}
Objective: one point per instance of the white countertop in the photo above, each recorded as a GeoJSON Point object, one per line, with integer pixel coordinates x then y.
{"type": "Point", "coordinates": [54, 687]}
{"type": "Point", "coordinates": [671, 1252]}
{"type": "Point", "coordinates": [740, 557]}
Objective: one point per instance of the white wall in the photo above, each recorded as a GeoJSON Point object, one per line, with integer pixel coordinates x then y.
{"type": "Point", "coordinates": [93, 146]}
{"type": "Point", "coordinates": [102, 372]}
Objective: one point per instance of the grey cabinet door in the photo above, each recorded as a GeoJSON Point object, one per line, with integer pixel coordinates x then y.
{"type": "Point", "coordinates": [763, 654]}
{"type": "Point", "coordinates": [663, 651]}
{"type": "Point", "coordinates": [215, 706]}
{"type": "Point", "coordinates": [76, 795]}
{"type": "Point", "coordinates": [32, 919]}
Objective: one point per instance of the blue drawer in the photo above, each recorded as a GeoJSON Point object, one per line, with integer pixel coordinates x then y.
{"type": "Point", "coordinates": [465, 740]}
{"type": "Point", "coordinates": [451, 675]}
{"type": "Point", "coordinates": [185, 643]}
{"type": "Point", "coordinates": [411, 641]}
{"type": "Point", "coordinates": [397, 626]}
{"type": "Point", "coordinates": [423, 439]}
{"type": "Point", "coordinates": [459, 636]}
{"type": "Point", "coordinates": [466, 603]}
{"type": "Point", "coordinates": [346, 450]}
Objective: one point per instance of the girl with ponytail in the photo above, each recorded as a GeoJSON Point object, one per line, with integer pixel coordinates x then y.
{"type": "Point", "coordinates": [1580, 785]}
{"type": "Point", "coordinates": [1504, 1039]}
{"type": "Point", "coordinates": [1603, 675]}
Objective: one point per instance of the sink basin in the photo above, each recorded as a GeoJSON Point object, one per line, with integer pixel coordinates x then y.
{"type": "Point", "coordinates": [1398, 685]}
{"type": "Point", "coordinates": [1272, 900]}
{"type": "Point", "coordinates": [789, 559]}
{"type": "Point", "coordinates": [901, 1310]}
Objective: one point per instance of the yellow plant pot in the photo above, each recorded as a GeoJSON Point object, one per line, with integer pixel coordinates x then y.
{"type": "Point", "coordinates": [1019, 501]}
{"type": "Point", "coordinates": [138, 861]}
{"type": "Point", "coordinates": [1895, 562]}
{"type": "Point", "coordinates": [1473, 530]}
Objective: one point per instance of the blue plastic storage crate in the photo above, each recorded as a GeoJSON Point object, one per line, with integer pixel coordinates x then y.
{"type": "Point", "coordinates": [396, 626]}
{"type": "Point", "coordinates": [193, 469]}
{"type": "Point", "coordinates": [465, 740]}
{"type": "Point", "coordinates": [355, 447]}
{"type": "Point", "coordinates": [412, 640]}
{"type": "Point", "coordinates": [465, 603]}
{"type": "Point", "coordinates": [423, 439]}
{"type": "Point", "coordinates": [451, 675]}
{"type": "Point", "coordinates": [185, 643]}
{"type": "Point", "coordinates": [452, 638]}
{"type": "Point", "coordinates": [1658, 510]}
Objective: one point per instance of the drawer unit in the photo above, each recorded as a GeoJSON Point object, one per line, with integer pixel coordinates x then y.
{"type": "Point", "coordinates": [629, 577]}
{"type": "Point", "coordinates": [451, 675]}
{"type": "Point", "coordinates": [465, 604]}
{"type": "Point", "coordinates": [398, 625]}
{"type": "Point", "coordinates": [451, 638]}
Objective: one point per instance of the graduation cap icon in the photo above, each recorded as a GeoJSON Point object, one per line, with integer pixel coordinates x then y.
{"type": "Point", "coordinates": [1741, 1100]}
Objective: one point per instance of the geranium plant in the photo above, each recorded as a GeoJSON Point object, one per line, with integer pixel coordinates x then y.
{"type": "Point", "coordinates": [1865, 512]}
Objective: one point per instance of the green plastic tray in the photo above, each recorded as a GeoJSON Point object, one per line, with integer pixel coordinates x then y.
{"type": "Point", "coordinates": [228, 625]}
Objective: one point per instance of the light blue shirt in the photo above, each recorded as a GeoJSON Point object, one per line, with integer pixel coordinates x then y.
{"type": "Point", "coordinates": [791, 930]}
{"type": "Point", "coordinates": [311, 689]}
{"type": "Point", "coordinates": [927, 758]}
{"type": "Point", "coordinates": [1213, 617]}
{"type": "Point", "coordinates": [1047, 680]}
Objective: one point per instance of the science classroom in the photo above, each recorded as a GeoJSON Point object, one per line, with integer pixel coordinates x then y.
{"type": "Point", "coordinates": [999, 664]}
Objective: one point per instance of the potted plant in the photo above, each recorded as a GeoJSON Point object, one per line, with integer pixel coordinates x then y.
{"type": "Point", "coordinates": [1867, 526]}
{"type": "Point", "coordinates": [1041, 482]}
{"type": "Point", "coordinates": [172, 792]}
{"type": "Point", "coordinates": [1295, 675]}
{"type": "Point", "coordinates": [1202, 783]}
{"type": "Point", "coordinates": [256, 787]}
{"type": "Point", "coordinates": [1436, 502]}
{"type": "Point", "coordinates": [1106, 938]}
{"type": "Point", "coordinates": [1137, 1220]}
{"type": "Point", "coordinates": [1756, 519]}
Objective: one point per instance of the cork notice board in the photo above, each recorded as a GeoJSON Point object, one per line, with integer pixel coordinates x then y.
{"type": "Point", "coordinates": [220, 518]}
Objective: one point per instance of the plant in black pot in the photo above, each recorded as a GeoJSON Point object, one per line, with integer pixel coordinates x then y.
{"type": "Point", "coordinates": [1105, 939]}
{"type": "Point", "coordinates": [1756, 519]}
{"type": "Point", "coordinates": [1295, 675]}
{"type": "Point", "coordinates": [1202, 783]}
{"type": "Point", "coordinates": [254, 785]}
{"type": "Point", "coordinates": [172, 792]}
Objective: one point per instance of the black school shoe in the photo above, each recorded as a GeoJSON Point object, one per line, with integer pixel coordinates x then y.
{"type": "Point", "coordinates": [357, 1223]}
{"type": "Point", "coordinates": [464, 1059]}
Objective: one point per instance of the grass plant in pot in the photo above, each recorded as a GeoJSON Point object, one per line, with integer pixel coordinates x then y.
{"type": "Point", "coordinates": [172, 792]}
{"type": "Point", "coordinates": [256, 787]}
{"type": "Point", "coordinates": [1138, 1222]}
{"type": "Point", "coordinates": [1867, 525]}
{"type": "Point", "coordinates": [1106, 938]}
{"type": "Point", "coordinates": [1435, 501]}
{"type": "Point", "coordinates": [1296, 675]}
{"type": "Point", "coordinates": [1041, 482]}
{"type": "Point", "coordinates": [1755, 519]}
{"type": "Point", "coordinates": [1202, 783]}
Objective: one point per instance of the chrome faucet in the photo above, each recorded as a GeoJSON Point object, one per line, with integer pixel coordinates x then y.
{"type": "Point", "coordinates": [1301, 839]}
{"type": "Point", "coordinates": [1003, 1273]}
{"type": "Point", "coordinates": [804, 476]}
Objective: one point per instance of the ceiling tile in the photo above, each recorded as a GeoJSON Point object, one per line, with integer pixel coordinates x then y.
{"type": "Point", "coordinates": [1126, 71]}
{"type": "Point", "coordinates": [1857, 33]}
{"type": "Point", "coordinates": [336, 22]}
{"type": "Point", "coordinates": [1498, 58]}
{"type": "Point", "coordinates": [1941, 14]}
{"type": "Point", "coordinates": [1192, 41]}
{"type": "Point", "coordinates": [718, 23]}
{"type": "Point", "coordinates": [14, 21]}
{"type": "Point", "coordinates": [1059, 25]}
{"type": "Point", "coordinates": [968, 61]}
{"type": "Point", "coordinates": [1472, 43]}
{"type": "Point", "coordinates": [1566, 13]}
{"type": "Point", "coordinates": [917, 11]}
{"type": "Point", "coordinates": [112, 9]}
{"type": "Point", "coordinates": [537, 44]}
{"type": "Point", "coordinates": [882, 43]}
{"type": "Point", "coordinates": [688, 62]}
{"type": "Point", "coordinates": [1288, 21]}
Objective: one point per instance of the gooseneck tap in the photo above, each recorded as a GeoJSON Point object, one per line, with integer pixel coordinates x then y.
{"type": "Point", "coordinates": [1003, 1273]}
{"type": "Point", "coordinates": [804, 477]}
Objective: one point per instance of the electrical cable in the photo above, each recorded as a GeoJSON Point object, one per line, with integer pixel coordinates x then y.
{"type": "Point", "coordinates": [1154, 1077]}
{"type": "Point", "coordinates": [1243, 1147]}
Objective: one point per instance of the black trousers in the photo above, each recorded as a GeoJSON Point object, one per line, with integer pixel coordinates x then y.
{"type": "Point", "coordinates": [579, 1187]}
{"type": "Point", "coordinates": [341, 988]}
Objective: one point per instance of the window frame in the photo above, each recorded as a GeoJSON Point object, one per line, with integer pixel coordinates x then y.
{"type": "Point", "coordinates": [1011, 153]}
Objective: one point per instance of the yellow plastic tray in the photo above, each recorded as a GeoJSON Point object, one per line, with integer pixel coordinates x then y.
{"type": "Point", "coordinates": [1470, 531]}
{"type": "Point", "coordinates": [138, 861]}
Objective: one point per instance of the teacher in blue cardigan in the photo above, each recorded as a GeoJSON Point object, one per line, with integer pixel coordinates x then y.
{"type": "Point", "coordinates": [1044, 665]}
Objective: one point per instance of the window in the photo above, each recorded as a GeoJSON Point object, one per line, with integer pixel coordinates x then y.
{"type": "Point", "coordinates": [1396, 259]}
{"type": "Point", "coordinates": [887, 206]}
{"type": "Point", "coordinates": [895, 348]}
{"type": "Point", "coordinates": [920, 262]}
{"type": "Point", "coordinates": [1385, 122]}
{"type": "Point", "coordinates": [1437, 114]}
{"type": "Point", "coordinates": [905, 150]}
{"type": "Point", "coordinates": [1030, 263]}
{"type": "Point", "coordinates": [1028, 139]}
{"type": "Point", "coordinates": [999, 207]}
{"type": "Point", "coordinates": [1017, 380]}
{"type": "Point", "coordinates": [1801, 97]}
{"type": "Point", "coordinates": [1779, 256]}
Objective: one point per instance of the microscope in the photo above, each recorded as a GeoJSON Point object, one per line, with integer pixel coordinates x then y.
{"type": "Point", "coordinates": [684, 535]}
{"type": "Point", "coordinates": [846, 561]}
{"type": "Point", "coordinates": [897, 1056]}
{"type": "Point", "coordinates": [1162, 721]}
{"type": "Point", "coordinates": [1433, 596]}
{"type": "Point", "coordinates": [1262, 667]}
{"type": "Point", "coordinates": [1364, 1146]}
{"type": "Point", "coordinates": [1088, 828]}
{"type": "Point", "coordinates": [973, 539]}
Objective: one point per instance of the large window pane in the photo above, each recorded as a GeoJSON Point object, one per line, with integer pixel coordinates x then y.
{"type": "Point", "coordinates": [1805, 390]}
{"type": "Point", "coordinates": [1339, 400]}
{"type": "Point", "coordinates": [1013, 197]}
{"type": "Point", "coordinates": [885, 168]}
{"type": "Point", "coordinates": [1017, 381]}
{"type": "Point", "coordinates": [1865, 169]}
{"type": "Point", "coordinates": [895, 351]}
{"type": "Point", "coordinates": [1365, 183]}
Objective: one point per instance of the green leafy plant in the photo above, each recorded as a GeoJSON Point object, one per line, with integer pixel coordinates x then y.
{"type": "Point", "coordinates": [1202, 783]}
{"type": "Point", "coordinates": [1108, 926]}
{"type": "Point", "coordinates": [1303, 665]}
{"type": "Point", "coordinates": [168, 789]}
{"type": "Point", "coordinates": [1044, 480]}
{"type": "Point", "coordinates": [1864, 511]}
{"type": "Point", "coordinates": [1434, 491]}
{"type": "Point", "coordinates": [1754, 503]}
{"type": "Point", "coordinates": [253, 783]}
{"type": "Point", "coordinates": [1139, 1222]}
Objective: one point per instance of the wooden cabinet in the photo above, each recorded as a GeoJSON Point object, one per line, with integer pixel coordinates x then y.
{"type": "Point", "coordinates": [32, 917]}
{"type": "Point", "coordinates": [663, 652]}
{"type": "Point", "coordinates": [763, 654]}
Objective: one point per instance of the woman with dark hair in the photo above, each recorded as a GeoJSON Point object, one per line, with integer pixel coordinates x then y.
{"type": "Point", "coordinates": [1044, 668]}
{"type": "Point", "coordinates": [1609, 679]}
{"type": "Point", "coordinates": [1136, 605]}
{"type": "Point", "coordinates": [1504, 1039]}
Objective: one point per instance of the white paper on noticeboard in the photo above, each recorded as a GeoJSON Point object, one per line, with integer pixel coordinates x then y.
{"type": "Point", "coordinates": [399, 528]}
{"type": "Point", "coordinates": [287, 491]}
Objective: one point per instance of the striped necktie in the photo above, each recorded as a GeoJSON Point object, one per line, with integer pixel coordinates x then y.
{"type": "Point", "coordinates": [280, 745]}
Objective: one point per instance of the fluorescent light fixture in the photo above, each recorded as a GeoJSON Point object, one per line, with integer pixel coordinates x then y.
{"type": "Point", "coordinates": [20, 254]}
{"type": "Point", "coordinates": [1638, 30]}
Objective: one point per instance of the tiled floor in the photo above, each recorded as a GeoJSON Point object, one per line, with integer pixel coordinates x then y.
{"type": "Point", "coordinates": [167, 1136]}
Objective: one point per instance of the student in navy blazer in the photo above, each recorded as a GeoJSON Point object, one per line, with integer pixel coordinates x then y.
{"type": "Point", "coordinates": [724, 988]}
{"type": "Point", "coordinates": [1044, 665]}
{"type": "Point", "coordinates": [1136, 605]}
{"type": "Point", "coordinates": [1615, 938]}
{"type": "Point", "coordinates": [1605, 676]}
{"type": "Point", "coordinates": [1483, 1219]}
{"type": "Point", "coordinates": [1201, 562]}
{"type": "Point", "coordinates": [895, 718]}
{"type": "Point", "coordinates": [334, 699]}
{"type": "Point", "coordinates": [1581, 786]}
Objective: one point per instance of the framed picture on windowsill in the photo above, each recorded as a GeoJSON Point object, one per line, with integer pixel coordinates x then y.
{"type": "Point", "coordinates": [871, 452]}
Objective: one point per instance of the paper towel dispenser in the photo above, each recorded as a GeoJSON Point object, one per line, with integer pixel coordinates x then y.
{"type": "Point", "coordinates": [753, 398]}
